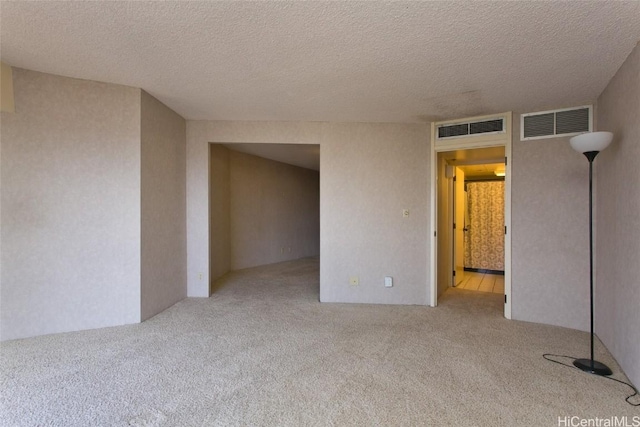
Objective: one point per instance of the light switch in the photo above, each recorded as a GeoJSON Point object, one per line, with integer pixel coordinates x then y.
{"type": "Point", "coordinates": [388, 282]}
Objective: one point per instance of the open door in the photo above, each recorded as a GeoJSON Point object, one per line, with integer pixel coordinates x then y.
{"type": "Point", "coordinates": [459, 226]}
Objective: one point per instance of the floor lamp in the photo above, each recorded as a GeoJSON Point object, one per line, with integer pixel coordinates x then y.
{"type": "Point", "coordinates": [590, 144]}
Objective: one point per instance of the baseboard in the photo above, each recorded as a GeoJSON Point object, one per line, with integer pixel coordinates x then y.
{"type": "Point", "coordinates": [484, 270]}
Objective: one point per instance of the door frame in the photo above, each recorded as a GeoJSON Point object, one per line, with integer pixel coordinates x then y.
{"type": "Point", "coordinates": [457, 226]}
{"type": "Point", "coordinates": [468, 143]}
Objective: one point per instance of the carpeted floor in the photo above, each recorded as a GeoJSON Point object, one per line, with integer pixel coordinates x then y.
{"type": "Point", "coordinates": [264, 352]}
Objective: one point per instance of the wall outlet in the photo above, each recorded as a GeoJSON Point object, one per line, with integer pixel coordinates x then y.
{"type": "Point", "coordinates": [388, 282]}
{"type": "Point", "coordinates": [405, 213]}
{"type": "Point", "coordinates": [354, 281]}
{"type": "Point", "coordinates": [200, 276]}
{"type": "Point", "coordinates": [281, 250]}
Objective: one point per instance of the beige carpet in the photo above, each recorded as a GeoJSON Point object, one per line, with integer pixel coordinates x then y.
{"type": "Point", "coordinates": [264, 351]}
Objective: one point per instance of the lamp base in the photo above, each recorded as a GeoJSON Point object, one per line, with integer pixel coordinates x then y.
{"type": "Point", "coordinates": [598, 368]}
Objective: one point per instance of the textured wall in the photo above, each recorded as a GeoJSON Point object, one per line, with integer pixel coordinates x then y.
{"type": "Point", "coordinates": [274, 211]}
{"type": "Point", "coordinates": [618, 225]}
{"type": "Point", "coordinates": [550, 235]}
{"type": "Point", "coordinates": [219, 210]}
{"type": "Point", "coordinates": [368, 174]}
{"type": "Point", "coordinates": [163, 207]}
{"type": "Point", "coordinates": [70, 206]}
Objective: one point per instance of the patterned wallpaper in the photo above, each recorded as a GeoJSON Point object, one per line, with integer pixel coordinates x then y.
{"type": "Point", "coordinates": [484, 239]}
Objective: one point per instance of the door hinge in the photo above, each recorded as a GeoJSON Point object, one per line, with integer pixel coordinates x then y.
{"type": "Point", "coordinates": [505, 299]}
{"type": "Point", "coordinates": [434, 234]}
{"type": "Point", "coordinates": [454, 273]}
{"type": "Point", "coordinates": [454, 225]}
{"type": "Point", "coordinates": [505, 160]}
{"type": "Point", "coordinates": [505, 229]}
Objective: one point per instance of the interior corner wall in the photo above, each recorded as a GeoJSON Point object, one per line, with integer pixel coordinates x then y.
{"type": "Point", "coordinates": [163, 257]}
{"type": "Point", "coordinates": [274, 211]}
{"type": "Point", "coordinates": [220, 211]}
{"type": "Point", "coordinates": [617, 295]}
{"type": "Point", "coordinates": [550, 232]}
{"type": "Point", "coordinates": [70, 201]}
{"type": "Point", "coordinates": [369, 173]}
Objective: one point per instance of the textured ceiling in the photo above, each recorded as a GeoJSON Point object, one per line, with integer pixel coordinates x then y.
{"type": "Point", "coordinates": [331, 61]}
{"type": "Point", "coordinates": [479, 162]}
{"type": "Point", "coordinates": [482, 171]}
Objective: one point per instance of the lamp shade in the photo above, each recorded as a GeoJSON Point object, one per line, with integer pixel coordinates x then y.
{"type": "Point", "coordinates": [591, 141]}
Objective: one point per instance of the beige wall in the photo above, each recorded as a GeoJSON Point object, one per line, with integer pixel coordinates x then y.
{"type": "Point", "coordinates": [220, 212]}
{"type": "Point", "coordinates": [70, 202]}
{"type": "Point", "coordinates": [550, 234]}
{"type": "Point", "coordinates": [274, 211]}
{"type": "Point", "coordinates": [93, 206]}
{"type": "Point", "coordinates": [369, 173]}
{"type": "Point", "coordinates": [618, 224]}
{"type": "Point", "coordinates": [163, 207]}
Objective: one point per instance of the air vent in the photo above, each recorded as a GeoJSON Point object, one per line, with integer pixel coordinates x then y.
{"type": "Point", "coordinates": [550, 124]}
{"type": "Point", "coordinates": [458, 130]}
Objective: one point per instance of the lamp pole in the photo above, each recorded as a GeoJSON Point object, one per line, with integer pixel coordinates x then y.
{"type": "Point", "coordinates": [590, 365]}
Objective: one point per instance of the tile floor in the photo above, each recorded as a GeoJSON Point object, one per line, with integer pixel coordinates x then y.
{"type": "Point", "coordinates": [483, 282]}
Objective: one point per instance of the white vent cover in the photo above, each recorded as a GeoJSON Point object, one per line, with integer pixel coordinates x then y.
{"type": "Point", "coordinates": [482, 127]}
{"type": "Point", "coordinates": [550, 124]}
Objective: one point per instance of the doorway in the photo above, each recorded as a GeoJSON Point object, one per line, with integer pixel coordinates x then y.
{"type": "Point", "coordinates": [478, 208]}
{"type": "Point", "coordinates": [455, 163]}
{"type": "Point", "coordinates": [264, 206]}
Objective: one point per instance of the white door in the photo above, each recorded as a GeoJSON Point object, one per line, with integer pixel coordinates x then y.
{"type": "Point", "coordinates": [459, 226]}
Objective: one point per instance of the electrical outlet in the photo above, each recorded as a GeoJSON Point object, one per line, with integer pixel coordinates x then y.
{"type": "Point", "coordinates": [281, 250]}
{"type": "Point", "coordinates": [405, 213]}
{"type": "Point", "coordinates": [354, 281]}
{"type": "Point", "coordinates": [200, 276]}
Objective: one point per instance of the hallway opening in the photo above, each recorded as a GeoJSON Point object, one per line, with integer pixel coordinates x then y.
{"type": "Point", "coordinates": [471, 243]}
{"type": "Point", "coordinates": [482, 220]}
{"type": "Point", "coordinates": [264, 206]}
